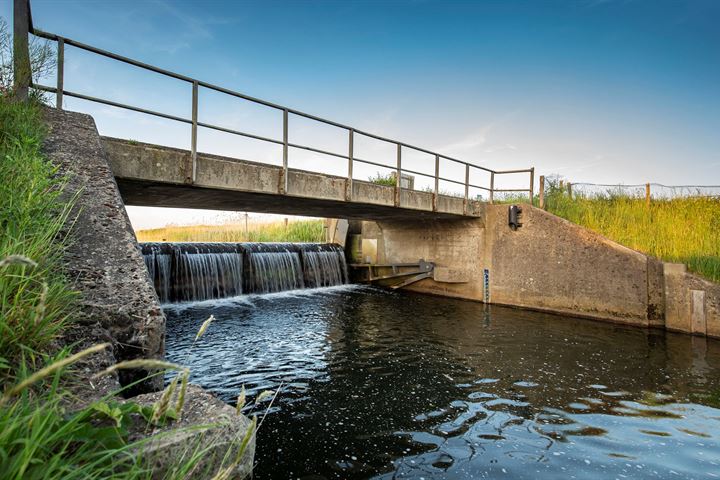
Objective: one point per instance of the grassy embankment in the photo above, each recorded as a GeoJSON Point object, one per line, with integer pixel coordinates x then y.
{"type": "Point", "coordinates": [683, 230]}
{"type": "Point", "coordinates": [40, 437]}
{"type": "Point", "coordinates": [295, 231]}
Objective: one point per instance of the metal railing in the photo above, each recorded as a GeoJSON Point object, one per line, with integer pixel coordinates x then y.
{"type": "Point", "coordinates": [60, 91]}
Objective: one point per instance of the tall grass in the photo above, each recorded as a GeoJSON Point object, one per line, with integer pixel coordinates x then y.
{"type": "Point", "coordinates": [684, 230]}
{"type": "Point", "coordinates": [40, 438]}
{"type": "Point", "coordinates": [35, 299]}
{"type": "Point", "coordinates": [295, 231]}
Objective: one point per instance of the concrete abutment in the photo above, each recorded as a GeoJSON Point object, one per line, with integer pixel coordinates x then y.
{"type": "Point", "coordinates": [548, 264]}
{"type": "Point", "coordinates": [118, 304]}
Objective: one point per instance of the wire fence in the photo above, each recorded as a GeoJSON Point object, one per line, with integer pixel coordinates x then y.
{"type": "Point", "coordinates": [656, 191]}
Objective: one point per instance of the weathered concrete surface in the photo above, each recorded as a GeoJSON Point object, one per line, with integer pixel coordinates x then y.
{"type": "Point", "coordinates": [103, 259]}
{"type": "Point", "coordinates": [454, 246]}
{"type": "Point", "coordinates": [153, 175]}
{"type": "Point", "coordinates": [219, 441]}
{"type": "Point", "coordinates": [336, 231]}
{"type": "Point", "coordinates": [547, 264]}
{"type": "Point", "coordinates": [693, 303]}
{"type": "Point", "coordinates": [84, 392]}
{"type": "Point", "coordinates": [552, 264]}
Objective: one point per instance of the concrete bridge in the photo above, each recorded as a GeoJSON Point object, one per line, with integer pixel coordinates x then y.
{"type": "Point", "coordinates": [156, 176]}
{"type": "Point", "coordinates": [152, 175]}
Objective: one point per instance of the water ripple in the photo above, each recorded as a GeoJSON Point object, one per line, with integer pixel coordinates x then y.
{"type": "Point", "coordinates": [395, 385]}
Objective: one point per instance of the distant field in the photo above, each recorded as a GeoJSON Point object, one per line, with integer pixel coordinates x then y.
{"type": "Point", "coordinates": [684, 230]}
{"type": "Point", "coordinates": [297, 231]}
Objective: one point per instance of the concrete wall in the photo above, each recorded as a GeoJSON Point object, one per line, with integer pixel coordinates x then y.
{"type": "Point", "coordinates": [552, 264]}
{"type": "Point", "coordinates": [454, 247]}
{"type": "Point", "coordinates": [548, 264]}
{"type": "Point", "coordinates": [103, 259]}
{"type": "Point", "coordinates": [692, 303]}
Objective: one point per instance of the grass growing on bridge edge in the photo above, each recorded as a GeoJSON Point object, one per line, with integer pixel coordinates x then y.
{"type": "Point", "coordinates": [683, 230]}
{"type": "Point", "coordinates": [40, 437]}
{"type": "Point", "coordinates": [296, 231]}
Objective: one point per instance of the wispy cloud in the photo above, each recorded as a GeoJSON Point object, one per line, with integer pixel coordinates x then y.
{"type": "Point", "coordinates": [500, 148]}
{"type": "Point", "coordinates": [580, 166]}
{"type": "Point", "coordinates": [479, 139]}
{"type": "Point", "coordinates": [469, 142]}
{"type": "Point", "coordinates": [190, 27]}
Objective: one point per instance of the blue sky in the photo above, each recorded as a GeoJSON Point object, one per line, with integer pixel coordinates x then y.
{"type": "Point", "coordinates": [599, 91]}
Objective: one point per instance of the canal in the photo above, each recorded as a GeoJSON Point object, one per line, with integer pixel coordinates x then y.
{"type": "Point", "coordinates": [379, 384]}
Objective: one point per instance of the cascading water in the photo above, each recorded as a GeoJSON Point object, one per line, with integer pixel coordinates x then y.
{"type": "Point", "coordinates": [202, 271]}
{"type": "Point", "coordinates": [194, 271]}
{"type": "Point", "coordinates": [324, 267]}
{"type": "Point", "coordinates": [158, 262]}
{"type": "Point", "coordinates": [273, 267]}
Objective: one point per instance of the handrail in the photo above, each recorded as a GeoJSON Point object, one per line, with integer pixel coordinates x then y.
{"type": "Point", "coordinates": [60, 91]}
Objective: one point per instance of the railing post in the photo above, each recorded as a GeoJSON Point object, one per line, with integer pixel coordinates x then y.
{"type": "Point", "coordinates": [22, 75]}
{"type": "Point", "coordinates": [436, 192]}
{"type": "Point", "coordinates": [647, 194]}
{"type": "Point", "coordinates": [467, 188]}
{"type": "Point", "coordinates": [492, 186]}
{"type": "Point", "coordinates": [398, 174]}
{"type": "Point", "coordinates": [60, 72]}
{"type": "Point", "coordinates": [284, 183]}
{"type": "Point", "coordinates": [532, 184]}
{"type": "Point", "coordinates": [541, 199]}
{"type": "Point", "coordinates": [349, 187]}
{"type": "Point", "coordinates": [191, 170]}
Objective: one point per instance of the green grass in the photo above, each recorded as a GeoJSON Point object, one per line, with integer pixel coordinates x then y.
{"type": "Point", "coordinates": [683, 230]}
{"type": "Point", "coordinates": [296, 231]}
{"type": "Point", "coordinates": [40, 437]}
{"type": "Point", "coordinates": [383, 179]}
{"type": "Point", "coordinates": [35, 301]}
{"type": "Point", "coordinates": [512, 198]}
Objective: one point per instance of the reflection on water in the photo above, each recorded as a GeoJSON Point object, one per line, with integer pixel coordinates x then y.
{"type": "Point", "coordinates": [396, 385]}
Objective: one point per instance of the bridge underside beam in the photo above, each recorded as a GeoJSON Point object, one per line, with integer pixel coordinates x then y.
{"type": "Point", "coordinates": [156, 194]}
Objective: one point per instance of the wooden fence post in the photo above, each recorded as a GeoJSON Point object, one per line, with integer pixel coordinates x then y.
{"type": "Point", "coordinates": [570, 190]}
{"type": "Point", "coordinates": [22, 76]}
{"type": "Point", "coordinates": [647, 194]}
{"type": "Point", "coordinates": [541, 193]}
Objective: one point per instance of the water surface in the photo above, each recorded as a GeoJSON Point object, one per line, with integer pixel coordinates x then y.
{"type": "Point", "coordinates": [378, 384]}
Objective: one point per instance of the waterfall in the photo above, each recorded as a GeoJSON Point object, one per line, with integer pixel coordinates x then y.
{"type": "Point", "coordinates": [203, 271]}
{"type": "Point", "coordinates": [194, 271]}
{"type": "Point", "coordinates": [275, 272]}
{"type": "Point", "coordinates": [324, 268]}
{"type": "Point", "coordinates": [209, 275]}
{"type": "Point", "coordinates": [158, 265]}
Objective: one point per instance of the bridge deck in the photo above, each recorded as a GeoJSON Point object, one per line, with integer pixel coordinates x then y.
{"type": "Point", "coordinates": [153, 175]}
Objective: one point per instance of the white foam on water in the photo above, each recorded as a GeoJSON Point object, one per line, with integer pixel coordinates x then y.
{"type": "Point", "coordinates": [250, 299]}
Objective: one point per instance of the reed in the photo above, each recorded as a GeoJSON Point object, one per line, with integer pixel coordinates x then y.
{"type": "Point", "coordinates": [295, 231]}
{"type": "Point", "coordinates": [684, 230]}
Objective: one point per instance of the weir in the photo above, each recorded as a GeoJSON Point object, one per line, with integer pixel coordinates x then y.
{"type": "Point", "coordinates": [202, 271]}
